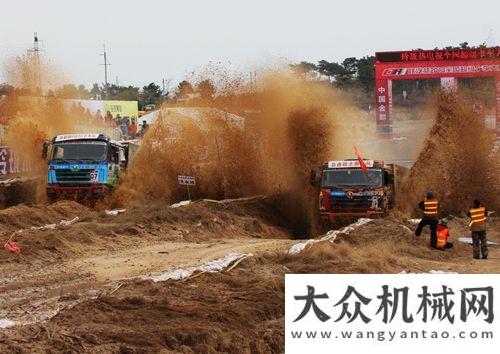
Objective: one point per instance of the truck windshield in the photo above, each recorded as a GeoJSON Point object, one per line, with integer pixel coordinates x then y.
{"type": "Point", "coordinates": [351, 178]}
{"type": "Point", "coordinates": [93, 151]}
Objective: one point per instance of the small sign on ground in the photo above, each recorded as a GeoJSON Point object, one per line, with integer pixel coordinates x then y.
{"type": "Point", "coordinates": [187, 180]}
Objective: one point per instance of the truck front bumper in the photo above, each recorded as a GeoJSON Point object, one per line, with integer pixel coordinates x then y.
{"type": "Point", "coordinates": [57, 191]}
{"type": "Point", "coordinates": [332, 216]}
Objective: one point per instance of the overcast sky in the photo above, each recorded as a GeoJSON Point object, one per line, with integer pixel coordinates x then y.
{"type": "Point", "coordinates": [149, 40]}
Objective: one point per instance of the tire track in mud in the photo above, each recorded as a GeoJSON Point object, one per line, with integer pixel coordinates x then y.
{"type": "Point", "coordinates": [29, 296]}
{"type": "Point", "coordinates": [63, 264]}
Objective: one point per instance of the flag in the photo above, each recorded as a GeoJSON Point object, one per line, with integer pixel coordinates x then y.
{"type": "Point", "coordinates": [360, 159]}
{"type": "Point", "coordinates": [12, 246]}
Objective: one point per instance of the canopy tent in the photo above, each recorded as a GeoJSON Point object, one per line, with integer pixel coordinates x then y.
{"type": "Point", "coordinates": [197, 114]}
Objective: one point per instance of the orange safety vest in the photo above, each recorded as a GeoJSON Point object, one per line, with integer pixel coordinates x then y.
{"type": "Point", "coordinates": [478, 216]}
{"type": "Point", "coordinates": [431, 207]}
{"type": "Point", "coordinates": [442, 236]}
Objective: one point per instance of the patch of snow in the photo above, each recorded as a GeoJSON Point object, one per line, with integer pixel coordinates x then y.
{"type": "Point", "coordinates": [68, 222]}
{"type": "Point", "coordinates": [9, 181]}
{"type": "Point", "coordinates": [175, 275]}
{"type": "Point", "coordinates": [219, 264]}
{"type": "Point", "coordinates": [5, 323]}
{"type": "Point", "coordinates": [49, 226]}
{"type": "Point", "coordinates": [212, 266]}
{"type": "Point", "coordinates": [44, 227]}
{"type": "Point", "coordinates": [115, 212]}
{"type": "Point", "coordinates": [329, 236]}
{"type": "Point", "coordinates": [469, 241]}
{"type": "Point", "coordinates": [181, 203]}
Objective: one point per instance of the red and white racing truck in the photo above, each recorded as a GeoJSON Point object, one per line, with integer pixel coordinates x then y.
{"type": "Point", "coordinates": [346, 191]}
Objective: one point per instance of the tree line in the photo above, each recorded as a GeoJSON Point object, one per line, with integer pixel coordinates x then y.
{"type": "Point", "coordinates": [147, 96]}
{"type": "Point", "coordinates": [355, 72]}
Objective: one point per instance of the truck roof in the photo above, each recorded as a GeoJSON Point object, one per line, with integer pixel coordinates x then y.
{"type": "Point", "coordinates": [352, 163]}
{"type": "Point", "coordinates": [66, 137]}
{"type": "Point", "coordinates": [75, 137]}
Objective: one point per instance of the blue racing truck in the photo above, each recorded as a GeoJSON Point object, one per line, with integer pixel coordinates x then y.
{"type": "Point", "coordinates": [83, 166]}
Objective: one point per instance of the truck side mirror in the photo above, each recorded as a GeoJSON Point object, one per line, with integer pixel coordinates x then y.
{"type": "Point", "coordinates": [313, 177]}
{"type": "Point", "coordinates": [389, 178]}
{"type": "Point", "coordinates": [45, 148]}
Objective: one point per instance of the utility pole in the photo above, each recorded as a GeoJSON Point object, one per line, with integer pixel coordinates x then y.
{"type": "Point", "coordinates": [37, 72]}
{"type": "Point", "coordinates": [106, 64]}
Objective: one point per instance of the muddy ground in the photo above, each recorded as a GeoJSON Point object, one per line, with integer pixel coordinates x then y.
{"type": "Point", "coordinates": [86, 287]}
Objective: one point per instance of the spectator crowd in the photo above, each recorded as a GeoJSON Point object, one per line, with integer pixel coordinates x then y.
{"type": "Point", "coordinates": [126, 127]}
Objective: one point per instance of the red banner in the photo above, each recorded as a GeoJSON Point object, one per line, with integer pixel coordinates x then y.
{"type": "Point", "coordinates": [383, 106]}
{"type": "Point", "coordinates": [439, 55]}
{"type": "Point", "coordinates": [431, 70]}
{"type": "Point", "coordinates": [430, 64]}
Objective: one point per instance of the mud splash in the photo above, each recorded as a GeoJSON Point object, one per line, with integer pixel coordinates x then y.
{"type": "Point", "coordinates": [455, 161]}
{"type": "Point", "coordinates": [289, 126]}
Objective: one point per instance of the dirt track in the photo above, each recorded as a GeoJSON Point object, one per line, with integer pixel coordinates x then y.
{"type": "Point", "coordinates": [28, 295]}
{"type": "Point", "coordinates": [92, 275]}
{"type": "Point", "coordinates": [61, 265]}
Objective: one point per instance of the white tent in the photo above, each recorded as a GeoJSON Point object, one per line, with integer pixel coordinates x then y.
{"type": "Point", "coordinates": [197, 114]}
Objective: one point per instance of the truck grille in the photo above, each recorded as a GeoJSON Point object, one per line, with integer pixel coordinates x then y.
{"type": "Point", "coordinates": [356, 202]}
{"type": "Point", "coordinates": [67, 176]}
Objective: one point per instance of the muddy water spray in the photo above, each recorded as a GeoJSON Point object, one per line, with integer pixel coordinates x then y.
{"type": "Point", "coordinates": [290, 126]}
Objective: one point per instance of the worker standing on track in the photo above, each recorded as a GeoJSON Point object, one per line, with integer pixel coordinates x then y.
{"type": "Point", "coordinates": [430, 206]}
{"type": "Point", "coordinates": [478, 228]}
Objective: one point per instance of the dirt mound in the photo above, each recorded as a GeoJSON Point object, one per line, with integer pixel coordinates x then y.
{"type": "Point", "coordinates": [211, 219]}
{"type": "Point", "coordinates": [381, 246]}
{"type": "Point", "coordinates": [455, 162]}
{"type": "Point", "coordinates": [23, 217]}
{"type": "Point", "coordinates": [240, 310]}
{"type": "Point", "coordinates": [221, 315]}
{"type": "Point", "coordinates": [95, 233]}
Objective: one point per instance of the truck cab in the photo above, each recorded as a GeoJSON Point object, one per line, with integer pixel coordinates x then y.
{"type": "Point", "coordinates": [83, 165]}
{"type": "Point", "coordinates": [346, 191]}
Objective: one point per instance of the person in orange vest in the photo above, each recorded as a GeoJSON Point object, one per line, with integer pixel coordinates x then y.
{"type": "Point", "coordinates": [430, 206]}
{"type": "Point", "coordinates": [477, 226]}
{"type": "Point", "coordinates": [443, 233]}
